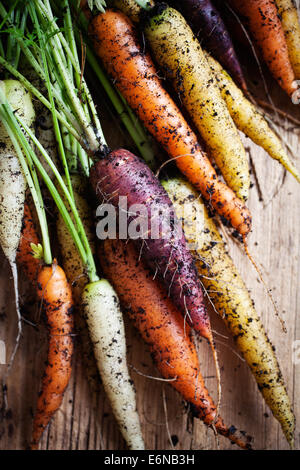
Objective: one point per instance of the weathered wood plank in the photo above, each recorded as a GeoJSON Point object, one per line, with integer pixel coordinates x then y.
{"type": "Point", "coordinates": [85, 422]}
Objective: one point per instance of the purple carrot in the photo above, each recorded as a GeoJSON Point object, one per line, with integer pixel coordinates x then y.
{"type": "Point", "coordinates": [122, 174]}
{"type": "Point", "coordinates": [208, 26]}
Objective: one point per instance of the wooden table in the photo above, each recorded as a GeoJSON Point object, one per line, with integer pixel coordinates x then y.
{"type": "Point", "coordinates": [86, 422]}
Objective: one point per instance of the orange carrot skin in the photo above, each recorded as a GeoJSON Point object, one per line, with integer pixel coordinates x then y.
{"type": "Point", "coordinates": [30, 265]}
{"type": "Point", "coordinates": [55, 293]}
{"type": "Point", "coordinates": [116, 43]}
{"type": "Point", "coordinates": [161, 326]}
{"type": "Point", "coordinates": [263, 21]}
{"type": "Point", "coordinates": [173, 354]}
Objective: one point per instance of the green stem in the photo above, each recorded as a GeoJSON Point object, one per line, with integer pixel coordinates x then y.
{"type": "Point", "coordinates": [70, 126]}
{"type": "Point", "coordinates": [133, 126]}
{"type": "Point", "coordinates": [84, 251]}
{"type": "Point", "coordinates": [77, 149]}
{"type": "Point", "coordinates": [2, 53]}
{"type": "Point", "coordinates": [57, 70]}
{"type": "Point", "coordinates": [56, 90]}
{"type": "Point", "coordinates": [57, 132]}
{"type": "Point", "coordinates": [10, 43]}
{"type": "Point", "coordinates": [38, 202]}
{"type": "Point", "coordinates": [80, 229]}
{"type": "Point", "coordinates": [22, 29]}
{"type": "Point", "coordinates": [71, 154]}
{"type": "Point", "coordinates": [52, 189]}
{"type": "Point", "coordinates": [69, 87]}
{"type": "Point", "coordinates": [5, 15]}
{"type": "Point", "coordinates": [72, 41]}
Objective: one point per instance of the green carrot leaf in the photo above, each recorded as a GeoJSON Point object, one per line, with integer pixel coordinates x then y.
{"type": "Point", "coordinates": [37, 250]}
{"type": "Point", "coordinates": [98, 4]}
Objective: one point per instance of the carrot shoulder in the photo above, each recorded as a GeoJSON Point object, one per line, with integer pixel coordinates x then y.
{"type": "Point", "coordinates": [55, 293]}
{"type": "Point", "coordinates": [134, 74]}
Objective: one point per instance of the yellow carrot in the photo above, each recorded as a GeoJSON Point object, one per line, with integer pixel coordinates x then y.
{"type": "Point", "coordinates": [77, 275]}
{"type": "Point", "coordinates": [291, 27]}
{"type": "Point", "coordinates": [248, 119]}
{"type": "Point", "coordinates": [230, 297]}
{"type": "Point", "coordinates": [179, 54]}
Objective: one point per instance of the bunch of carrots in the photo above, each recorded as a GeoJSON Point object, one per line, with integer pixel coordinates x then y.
{"type": "Point", "coordinates": [157, 280]}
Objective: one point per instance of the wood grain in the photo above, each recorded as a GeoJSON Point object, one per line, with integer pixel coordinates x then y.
{"type": "Point", "coordinates": [85, 421]}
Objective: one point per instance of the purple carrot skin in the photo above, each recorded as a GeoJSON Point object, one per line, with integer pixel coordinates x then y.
{"type": "Point", "coordinates": [208, 25]}
{"type": "Point", "coordinates": [123, 174]}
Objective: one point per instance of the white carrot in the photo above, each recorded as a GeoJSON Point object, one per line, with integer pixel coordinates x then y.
{"type": "Point", "coordinates": [101, 306]}
{"type": "Point", "coordinates": [13, 185]}
{"type": "Point", "coordinates": [77, 275]}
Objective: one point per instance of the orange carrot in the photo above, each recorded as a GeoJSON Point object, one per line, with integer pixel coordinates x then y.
{"type": "Point", "coordinates": [133, 72]}
{"type": "Point", "coordinates": [30, 265]}
{"type": "Point", "coordinates": [162, 328]}
{"type": "Point", "coordinates": [55, 293]}
{"type": "Point", "coordinates": [264, 24]}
